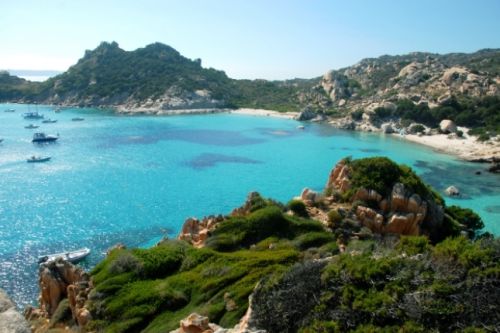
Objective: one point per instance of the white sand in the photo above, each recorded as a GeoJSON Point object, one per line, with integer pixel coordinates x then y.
{"type": "Point", "coordinates": [268, 113]}
{"type": "Point", "coordinates": [467, 148]}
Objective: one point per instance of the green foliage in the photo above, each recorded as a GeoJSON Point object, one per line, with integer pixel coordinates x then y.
{"type": "Point", "coordinates": [417, 128]}
{"type": "Point", "coordinates": [334, 217]}
{"type": "Point", "coordinates": [298, 207]}
{"type": "Point", "coordinates": [313, 239]}
{"type": "Point", "coordinates": [412, 245]}
{"type": "Point", "coordinates": [380, 174]}
{"type": "Point", "coordinates": [445, 288]}
{"type": "Point", "coordinates": [357, 115]}
{"type": "Point", "coordinates": [466, 217]}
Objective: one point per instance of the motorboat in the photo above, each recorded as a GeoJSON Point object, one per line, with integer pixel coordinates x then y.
{"type": "Point", "coordinates": [57, 110]}
{"type": "Point", "coordinates": [49, 121]}
{"type": "Point", "coordinates": [38, 159]}
{"type": "Point", "coordinates": [71, 256]}
{"type": "Point", "coordinates": [9, 110]}
{"type": "Point", "coordinates": [31, 126]}
{"type": "Point", "coordinates": [42, 137]}
{"type": "Point", "coordinates": [33, 115]}
{"type": "Point", "coordinates": [300, 127]}
{"type": "Point", "coordinates": [77, 119]}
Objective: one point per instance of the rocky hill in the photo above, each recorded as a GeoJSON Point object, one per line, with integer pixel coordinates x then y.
{"type": "Point", "coordinates": [377, 251]}
{"type": "Point", "coordinates": [418, 88]}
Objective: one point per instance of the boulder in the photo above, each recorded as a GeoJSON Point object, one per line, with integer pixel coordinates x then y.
{"type": "Point", "coordinates": [306, 114]}
{"type": "Point", "coordinates": [387, 128]}
{"type": "Point", "coordinates": [452, 191]}
{"type": "Point", "coordinates": [11, 321]}
{"type": "Point", "coordinates": [447, 126]}
{"type": "Point", "coordinates": [495, 168]}
{"type": "Point", "coordinates": [339, 178]}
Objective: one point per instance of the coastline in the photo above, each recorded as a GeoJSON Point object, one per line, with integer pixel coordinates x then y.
{"type": "Point", "coordinates": [265, 113]}
{"type": "Point", "coordinates": [466, 148]}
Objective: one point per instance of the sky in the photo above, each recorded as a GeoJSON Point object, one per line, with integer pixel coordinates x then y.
{"type": "Point", "coordinates": [250, 39]}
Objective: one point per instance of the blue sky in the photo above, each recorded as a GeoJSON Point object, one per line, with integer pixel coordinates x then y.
{"type": "Point", "coordinates": [272, 39]}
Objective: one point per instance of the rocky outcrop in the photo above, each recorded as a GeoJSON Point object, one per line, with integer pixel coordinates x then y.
{"type": "Point", "coordinates": [306, 114]}
{"type": "Point", "coordinates": [196, 232]}
{"type": "Point", "coordinates": [339, 177]}
{"type": "Point", "coordinates": [59, 280]}
{"type": "Point", "coordinates": [246, 208]}
{"type": "Point", "coordinates": [402, 212]}
{"type": "Point", "coordinates": [195, 323]}
{"type": "Point", "coordinates": [11, 321]}
{"type": "Point", "coordinates": [336, 85]}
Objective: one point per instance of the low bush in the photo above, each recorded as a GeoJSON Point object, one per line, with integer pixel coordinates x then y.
{"type": "Point", "coordinates": [298, 207]}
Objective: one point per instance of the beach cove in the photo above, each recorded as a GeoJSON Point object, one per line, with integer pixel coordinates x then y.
{"type": "Point", "coordinates": [116, 178]}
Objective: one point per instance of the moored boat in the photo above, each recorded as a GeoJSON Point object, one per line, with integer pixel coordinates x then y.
{"type": "Point", "coordinates": [77, 119]}
{"type": "Point", "coordinates": [38, 159]}
{"type": "Point", "coordinates": [42, 137]}
{"type": "Point", "coordinates": [49, 121]}
{"type": "Point", "coordinates": [9, 110]}
{"type": "Point", "coordinates": [31, 126]}
{"type": "Point", "coordinates": [71, 256]}
{"type": "Point", "coordinates": [32, 115]}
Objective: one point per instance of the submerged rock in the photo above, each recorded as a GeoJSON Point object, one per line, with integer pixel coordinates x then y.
{"type": "Point", "coordinates": [452, 191]}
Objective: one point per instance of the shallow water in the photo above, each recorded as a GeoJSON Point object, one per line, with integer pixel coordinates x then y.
{"type": "Point", "coordinates": [136, 179]}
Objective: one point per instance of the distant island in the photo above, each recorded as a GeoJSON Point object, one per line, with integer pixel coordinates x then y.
{"type": "Point", "coordinates": [409, 94]}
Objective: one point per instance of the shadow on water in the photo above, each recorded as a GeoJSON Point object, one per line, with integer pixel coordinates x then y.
{"type": "Point", "coordinates": [201, 136]}
{"type": "Point", "coordinates": [208, 160]}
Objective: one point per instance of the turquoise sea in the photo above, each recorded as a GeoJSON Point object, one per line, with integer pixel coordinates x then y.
{"type": "Point", "coordinates": [135, 179]}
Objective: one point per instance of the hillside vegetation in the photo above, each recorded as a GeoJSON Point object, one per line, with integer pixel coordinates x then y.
{"type": "Point", "coordinates": [305, 275]}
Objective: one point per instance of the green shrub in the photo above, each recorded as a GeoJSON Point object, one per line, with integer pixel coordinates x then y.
{"type": "Point", "coordinates": [245, 231]}
{"type": "Point", "coordinates": [417, 128]}
{"type": "Point", "coordinates": [334, 217]}
{"type": "Point", "coordinates": [160, 261]}
{"type": "Point", "coordinates": [313, 239]}
{"type": "Point", "coordinates": [357, 115]}
{"type": "Point", "coordinates": [412, 245]}
{"type": "Point", "coordinates": [298, 207]}
{"type": "Point", "coordinates": [466, 217]}
{"type": "Point", "coordinates": [126, 262]}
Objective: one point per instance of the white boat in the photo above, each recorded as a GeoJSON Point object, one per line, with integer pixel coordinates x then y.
{"type": "Point", "coordinates": [31, 126]}
{"type": "Point", "coordinates": [42, 137]}
{"type": "Point", "coordinates": [9, 110]}
{"type": "Point", "coordinates": [49, 121]}
{"type": "Point", "coordinates": [33, 115]}
{"type": "Point", "coordinates": [71, 256]}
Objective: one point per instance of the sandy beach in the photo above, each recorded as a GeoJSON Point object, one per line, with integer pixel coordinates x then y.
{"type": "Point", "coordinates": [467, 148]}
{"type": "Point", "coordinates": [263, 112]}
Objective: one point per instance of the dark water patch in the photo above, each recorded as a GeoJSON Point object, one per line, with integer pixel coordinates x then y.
{"type": "Point", "coordinates": [463, 176]}
{"type": "Point", "coordinates": [209, 160]}
{"type": "Point", "coordinates": [202, 136]}
{"type": "Point", "coordinates": [494, 209]}
{"type": "Point", "coordinates": [364, 150]}
{"type": "Point", "coordinates": [371, 150]}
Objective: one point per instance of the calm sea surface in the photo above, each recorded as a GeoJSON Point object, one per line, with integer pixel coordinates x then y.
{"type": "Point", "coordinates": [136, 179]}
